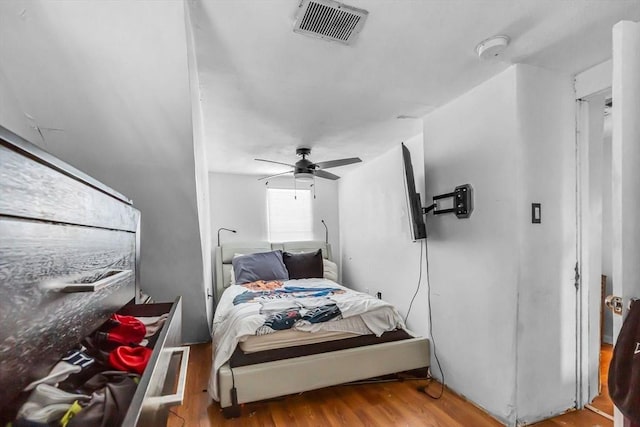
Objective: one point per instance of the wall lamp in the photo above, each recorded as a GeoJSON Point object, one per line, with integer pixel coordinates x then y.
{"type": "Point", "coordinates": [326, 231]}
{"type": "Point", "coordinates": [225, 229]}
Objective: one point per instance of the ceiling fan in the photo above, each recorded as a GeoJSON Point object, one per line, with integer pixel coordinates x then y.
{"type": "Point", "coordinates": [305, 170]}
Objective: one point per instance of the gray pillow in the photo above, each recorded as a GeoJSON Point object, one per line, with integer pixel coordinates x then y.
{"type": "Point", "coordinates": [259, 266]}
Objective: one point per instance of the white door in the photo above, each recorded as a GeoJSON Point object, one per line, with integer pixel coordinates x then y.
{"type": "Point", "coordinates": [626, 173]}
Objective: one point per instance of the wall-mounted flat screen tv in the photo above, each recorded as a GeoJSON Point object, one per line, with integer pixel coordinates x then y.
{"type": "Point", "coordinates": [416, 217]}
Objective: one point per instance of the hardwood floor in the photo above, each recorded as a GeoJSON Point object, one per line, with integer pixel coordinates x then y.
{"type": "Point", "coordinates": [603, 401]}
{"type": "Point", "coordinates": [383, 404]}
{"type": "Point", "coordinates": [584, 418]}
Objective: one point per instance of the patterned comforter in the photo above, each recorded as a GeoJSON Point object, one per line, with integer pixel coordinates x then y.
{"type": "Point", "coordinates": [260, 308]}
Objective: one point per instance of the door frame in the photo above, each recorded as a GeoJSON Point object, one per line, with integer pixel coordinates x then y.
{"type": "Point", "coordinates": [625, 155]}
{"type": "Point", "coordinates": [591, 88]}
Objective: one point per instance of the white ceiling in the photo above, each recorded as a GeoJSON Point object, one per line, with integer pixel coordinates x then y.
{"type": "Point", "coordinates": [266, 90]}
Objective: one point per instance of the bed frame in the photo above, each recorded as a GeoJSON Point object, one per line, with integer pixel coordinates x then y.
{"type": "Point", "coordinates": [279, 378]}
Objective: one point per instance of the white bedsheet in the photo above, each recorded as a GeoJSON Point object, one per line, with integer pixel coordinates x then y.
{"type": "Point", "coordinates": [232, 322]}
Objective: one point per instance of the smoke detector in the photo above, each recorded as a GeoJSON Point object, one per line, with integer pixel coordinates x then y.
{"type": "Point", "coordinates": [493, 47]}
{"type": "Point", "coordinates": [329, 20]}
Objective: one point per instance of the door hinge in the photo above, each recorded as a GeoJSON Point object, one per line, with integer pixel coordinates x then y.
{"type": "Point", "coordinates": [577, 277]}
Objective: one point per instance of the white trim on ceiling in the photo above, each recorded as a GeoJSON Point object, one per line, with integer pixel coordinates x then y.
{"type": "Point", "coordinates": [594, 79]}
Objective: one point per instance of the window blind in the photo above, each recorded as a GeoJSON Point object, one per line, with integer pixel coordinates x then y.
{"type": "Point", "coordinates": [289, 215]}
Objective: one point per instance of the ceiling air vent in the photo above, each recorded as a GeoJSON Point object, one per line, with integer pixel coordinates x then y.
{"type": "Point", "coordinates": [329, 20]}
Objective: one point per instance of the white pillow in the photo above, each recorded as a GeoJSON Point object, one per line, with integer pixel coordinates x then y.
{"type": "Point", "coordinates": [232, 277]}
{"type": "Point", "coordinates": [330, 270]}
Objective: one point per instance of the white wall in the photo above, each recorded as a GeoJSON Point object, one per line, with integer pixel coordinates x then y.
{"type": "Point", "coordinates": [474, 262]}
{"type": "Point", "coordinates": [625, 155]}
{"type": "Point", "coordinates": [200, 163]}
{"type": "Point", "coordinates": [546, 336]}
{"type": "Point", "coordinates": [378, 253]}
{"type": "Point", "coordinates": [107, 84]}
{"type": "Point", "coordinates": [239, 202]}
{"type": "Point", "coordinates": [502, 286]}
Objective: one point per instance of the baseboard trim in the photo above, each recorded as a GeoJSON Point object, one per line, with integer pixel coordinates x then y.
{"type": "Point", "coordinates": [599, 412]}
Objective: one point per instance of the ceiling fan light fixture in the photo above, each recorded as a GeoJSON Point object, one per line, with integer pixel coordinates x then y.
{"type": "Point", "coordinates": [304, 177]}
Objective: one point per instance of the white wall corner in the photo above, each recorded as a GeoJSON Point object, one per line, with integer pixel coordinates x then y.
{"type": "Point", "coordinates": [201, 168]}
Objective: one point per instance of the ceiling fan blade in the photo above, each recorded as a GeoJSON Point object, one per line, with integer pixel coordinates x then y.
{"type": "Point", "coordinates": [279, 163]}
{"type": "Point", "coordinates": [271, 176]}
{"type": "Point", "coordinates": [336, 163]}
{"type": "Point", "coordinates": [325, 174]}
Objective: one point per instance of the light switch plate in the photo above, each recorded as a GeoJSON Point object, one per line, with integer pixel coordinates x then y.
{"type": "Point", "coordinates": [536, 213]}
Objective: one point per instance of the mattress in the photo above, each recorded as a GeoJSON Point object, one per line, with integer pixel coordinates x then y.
{"type": "Point", "coordinates": [289, 338]}
{"type": "Point", "coordinates": [306, 334]}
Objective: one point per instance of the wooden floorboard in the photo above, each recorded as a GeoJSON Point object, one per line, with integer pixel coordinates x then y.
{"type": "Point", "coordinates": [584, 418]}
{"type": "Point", "coordinates": [603, 401]}
{"type": "Point", "coordinates": [382, 404]}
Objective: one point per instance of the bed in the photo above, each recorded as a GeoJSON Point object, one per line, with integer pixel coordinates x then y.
{"type": "Point", "coordinates": [338, 335]}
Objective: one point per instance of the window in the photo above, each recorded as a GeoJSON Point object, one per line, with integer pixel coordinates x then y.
{"type": "Point", "coordinates": [289, 215]}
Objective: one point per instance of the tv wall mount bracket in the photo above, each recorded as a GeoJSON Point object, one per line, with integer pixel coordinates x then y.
{"type": "Point", "coordinates": [462, 202]}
